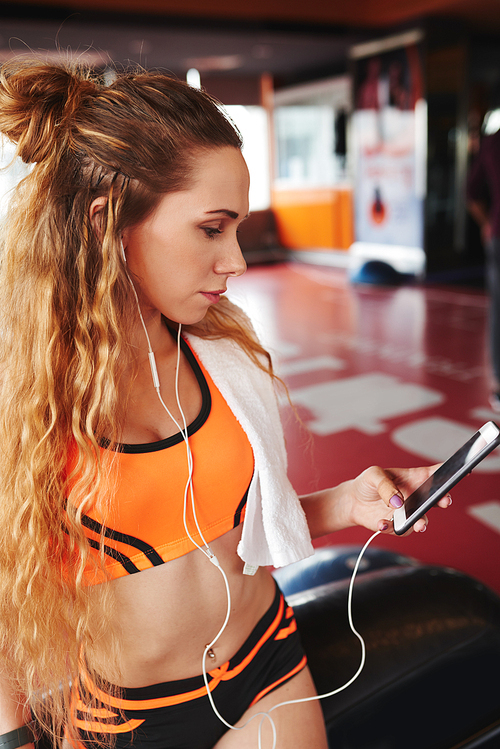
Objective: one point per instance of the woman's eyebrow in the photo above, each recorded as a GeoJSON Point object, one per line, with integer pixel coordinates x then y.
{"type": "Point", "coordinates": [228, 213]}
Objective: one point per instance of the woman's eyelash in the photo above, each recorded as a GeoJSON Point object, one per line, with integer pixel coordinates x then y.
{"type": "Point", "coordinates": [211, 232]}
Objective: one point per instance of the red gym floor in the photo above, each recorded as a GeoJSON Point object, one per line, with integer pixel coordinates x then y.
{"type": "Point", "coordinates": [387, 376]}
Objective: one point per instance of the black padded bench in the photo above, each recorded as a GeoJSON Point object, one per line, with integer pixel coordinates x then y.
{"type": "Point", "coordinates": [431, 678]}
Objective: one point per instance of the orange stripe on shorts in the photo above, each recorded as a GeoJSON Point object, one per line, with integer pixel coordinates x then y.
{"type": "Point", "coordinates": [293, 672]}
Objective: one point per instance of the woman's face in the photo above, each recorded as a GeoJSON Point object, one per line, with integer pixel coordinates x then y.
{"type": "Point", "coordinates": [181, 256]}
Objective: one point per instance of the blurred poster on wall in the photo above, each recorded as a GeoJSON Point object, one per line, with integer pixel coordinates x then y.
{"type": "Point", "coordinates": [389, 133]}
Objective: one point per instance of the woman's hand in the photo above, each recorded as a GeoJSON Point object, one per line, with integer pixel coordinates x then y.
{"type": "Point", "coordinates": [368, 500]}
{"type": "Point", "coordinates": [374, 495]}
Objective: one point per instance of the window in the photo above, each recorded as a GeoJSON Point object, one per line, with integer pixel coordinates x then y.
{"type": "Point", "coordinates": [252, 122]}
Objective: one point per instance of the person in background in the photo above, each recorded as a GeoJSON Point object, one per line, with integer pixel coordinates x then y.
{"type": "Point", "coordinates": [483, 202]}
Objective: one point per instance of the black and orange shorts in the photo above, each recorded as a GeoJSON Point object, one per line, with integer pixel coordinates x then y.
{"type": "Point", "coordinates": [178, 714]}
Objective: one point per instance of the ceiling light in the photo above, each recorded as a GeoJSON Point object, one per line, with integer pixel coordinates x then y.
{"type": "Point", "coordinates": [193, 77]}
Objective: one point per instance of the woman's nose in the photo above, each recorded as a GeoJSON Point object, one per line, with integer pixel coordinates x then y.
{"type": "Point", "coordinates": [231, 262]}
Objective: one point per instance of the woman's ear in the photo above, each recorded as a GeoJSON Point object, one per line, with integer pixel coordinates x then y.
{"type": "Point", "coordinates": [95, 214]}
{"type": "Point", "coordinates": [125, 236]}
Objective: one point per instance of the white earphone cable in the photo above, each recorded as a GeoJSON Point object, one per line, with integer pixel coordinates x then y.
{"type": "Point", "coordinates": [359, 669]}
{"type": "Point", "coordinates": [267, 714]}
{"type": "Point", "coordinates": [188, 489]}
{"type": "Point", "coordinates": [183, 430]}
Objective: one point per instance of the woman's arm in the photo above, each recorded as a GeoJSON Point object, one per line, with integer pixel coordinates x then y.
{"type": "Point", "coordinates": [368, 500]}
{"type": "Point", "coordinates": [481, 215]}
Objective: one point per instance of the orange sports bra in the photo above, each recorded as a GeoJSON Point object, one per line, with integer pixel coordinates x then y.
{"type": "Point", "coordinates": [145, 524]}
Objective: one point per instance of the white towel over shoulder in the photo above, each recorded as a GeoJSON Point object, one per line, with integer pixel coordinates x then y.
{"type": "Point", "coordinates": [275, 529]}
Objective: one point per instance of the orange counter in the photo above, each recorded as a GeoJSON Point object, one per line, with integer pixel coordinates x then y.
{"type": "Point", "coordinates": [320, 218]}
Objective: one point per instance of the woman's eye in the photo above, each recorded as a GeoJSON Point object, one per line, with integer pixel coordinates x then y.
{"type": "Point", "coordinates": [211, 231]}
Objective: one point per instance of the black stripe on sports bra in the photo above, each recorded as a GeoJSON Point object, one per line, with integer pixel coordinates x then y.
{"type": "Point", "coordinates": [123, 538]}
{"type": "Point", "coordinates": [126, 563]}
{"type": "Point", "coordinates": [240, 508]}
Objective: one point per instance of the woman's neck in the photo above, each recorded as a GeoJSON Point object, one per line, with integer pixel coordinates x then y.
{"type": "Point", "coordinates": [161, 340]}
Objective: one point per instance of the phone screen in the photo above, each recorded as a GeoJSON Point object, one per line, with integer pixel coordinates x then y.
{"type": "Point", "coordinates": [447, 475]}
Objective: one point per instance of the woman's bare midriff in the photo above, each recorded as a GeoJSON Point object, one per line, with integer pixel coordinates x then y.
{"type": "Point", "coordinates": [168, 614]}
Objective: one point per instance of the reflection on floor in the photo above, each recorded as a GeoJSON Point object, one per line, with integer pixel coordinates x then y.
{"type": "Point", "coordinates": [385, 376]}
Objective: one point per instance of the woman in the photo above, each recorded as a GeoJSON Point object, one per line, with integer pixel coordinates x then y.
{"type": "Point", "coordinates": [116, 570]}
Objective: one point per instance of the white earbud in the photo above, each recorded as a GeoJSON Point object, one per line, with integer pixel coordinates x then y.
{"type": "Point", "coordinates": [123, 251]}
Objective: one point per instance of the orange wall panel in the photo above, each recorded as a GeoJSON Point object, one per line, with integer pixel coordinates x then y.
{"type": "Point", "coordinates": [314, 219]}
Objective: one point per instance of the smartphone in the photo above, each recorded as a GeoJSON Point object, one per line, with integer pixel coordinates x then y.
{"type": "Point", "coordinates": [446, 476]}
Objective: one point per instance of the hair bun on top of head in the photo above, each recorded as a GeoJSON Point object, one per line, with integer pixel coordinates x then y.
{"type": "Point", "coordinates": [37, 103]}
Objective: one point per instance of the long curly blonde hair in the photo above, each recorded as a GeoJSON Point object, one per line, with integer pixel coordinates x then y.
{"type": "Point", "coordinates": [67, 312]}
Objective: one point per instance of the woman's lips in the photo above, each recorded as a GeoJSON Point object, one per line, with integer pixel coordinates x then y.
{"type": "Point", "coordinates": [213, 296]}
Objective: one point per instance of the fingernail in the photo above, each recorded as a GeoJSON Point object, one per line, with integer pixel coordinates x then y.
{"type": "Point", "coordinates": [449, 500]}
{"type": "Point", "coordinates": [422, 530]}
{"type": "Point", "coordinates": [396, 501]}
{"type": "Point", "coordinates": [383, 525]}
